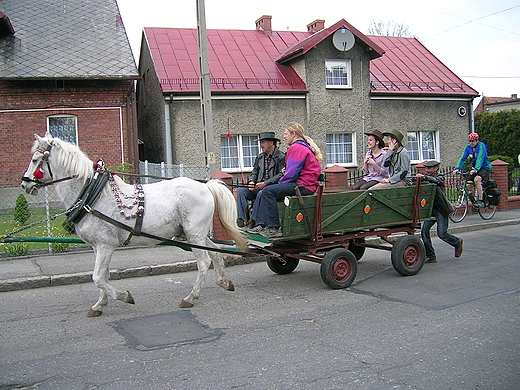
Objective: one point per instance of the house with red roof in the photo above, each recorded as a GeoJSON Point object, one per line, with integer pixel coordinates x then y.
{"type": "Point", "coordinates": [491, 104]}
{"type": "Point", "coordinates": [337, 82]}
{"type": "Point", "coordinates": [67, 69]}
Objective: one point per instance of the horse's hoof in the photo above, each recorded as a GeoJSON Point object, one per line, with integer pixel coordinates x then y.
{"type": "Point", "coordinates": [129, 298]}
{"type": "Point", "coordinates": [185, 304]}
{"type": "Point", "coordinates": [231, 286]}
{"type": "Point", "coordinates": [94, 313]}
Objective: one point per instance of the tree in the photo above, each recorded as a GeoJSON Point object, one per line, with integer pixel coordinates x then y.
{"type": "Point", "coordinates": [390, 29]}
{"type": "Point", "coordinates": [500, 131]}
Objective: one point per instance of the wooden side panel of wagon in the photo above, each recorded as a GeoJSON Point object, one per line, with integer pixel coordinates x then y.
{"type": "Point", "coordinates": [350, 211]}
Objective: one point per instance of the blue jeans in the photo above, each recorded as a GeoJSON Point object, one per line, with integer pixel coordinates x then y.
{"type": "Point", "coordinates": [265, 209]}
{"type": "Point", "coordinates": [442, 233]}
{"type": "Point", "coordinates": [243, 196]}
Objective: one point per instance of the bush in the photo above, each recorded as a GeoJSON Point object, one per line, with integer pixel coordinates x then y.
{"type": "Point", "coordinates": [21, 212]}
{"type": "Point", "coordinates": [16, 248]}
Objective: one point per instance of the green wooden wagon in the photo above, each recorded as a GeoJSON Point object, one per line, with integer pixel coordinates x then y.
{"type": "Point", "coordinates": [331, 228]}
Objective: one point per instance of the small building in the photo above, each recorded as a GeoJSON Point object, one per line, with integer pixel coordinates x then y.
{"type": "Point", "coordinates": [337, 82]}
{"type": "Point", "coordinates": [491, 104]}
{"type": "Point", "coordinates": [67, 68]}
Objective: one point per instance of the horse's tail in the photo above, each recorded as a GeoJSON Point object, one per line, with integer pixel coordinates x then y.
{"type": "Point", "coordinates": [226, 207]}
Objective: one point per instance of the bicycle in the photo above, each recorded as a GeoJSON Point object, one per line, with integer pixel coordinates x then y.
{"type": "Point", "coordinates": [461, 198]}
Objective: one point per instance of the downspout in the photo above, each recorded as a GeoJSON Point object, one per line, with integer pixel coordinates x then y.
{"type": "Point", "coordinates": [167, 131]}
{"type": "Point", "coordinates": [362, 110]}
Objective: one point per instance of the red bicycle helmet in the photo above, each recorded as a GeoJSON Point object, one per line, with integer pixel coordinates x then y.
{"type": "Point", "coordinates": [473, 136]}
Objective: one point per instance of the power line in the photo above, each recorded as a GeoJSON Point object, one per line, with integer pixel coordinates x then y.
{"type": "Point", "coordinates": [475, 21]}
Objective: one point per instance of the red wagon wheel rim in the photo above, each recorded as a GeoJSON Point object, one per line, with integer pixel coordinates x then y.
{"type": "Point", "coordinates": [342, 270]}
{"type": "Point", "coordinates": [411, 256]}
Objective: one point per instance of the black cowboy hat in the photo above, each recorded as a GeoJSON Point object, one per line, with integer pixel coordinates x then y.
{"type": "Point", "coordinates": [268, 135]}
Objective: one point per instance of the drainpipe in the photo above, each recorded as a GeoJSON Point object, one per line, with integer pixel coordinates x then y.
{"type": "Point", "coordinates": [167, 131]}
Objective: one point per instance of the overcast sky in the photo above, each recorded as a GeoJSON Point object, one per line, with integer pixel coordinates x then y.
{"type": "Point", "coordinates": [478, 40]}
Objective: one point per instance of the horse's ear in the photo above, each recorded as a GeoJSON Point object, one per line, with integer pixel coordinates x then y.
{"type": "Point", "coordinates": [48, 134]}
{"type": "Point", "coordinates": [41, 141]}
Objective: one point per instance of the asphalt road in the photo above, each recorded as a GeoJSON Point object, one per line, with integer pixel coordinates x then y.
{"type": "Point", "coordinates": [455, 325]}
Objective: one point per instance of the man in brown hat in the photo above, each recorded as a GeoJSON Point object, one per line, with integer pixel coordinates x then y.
{"type": "Point", "coordinates": [267, 170]}
{"type": "Point", "coordinates": [373, 166]}
{"type": "Point", "coordinates": [397, 160]}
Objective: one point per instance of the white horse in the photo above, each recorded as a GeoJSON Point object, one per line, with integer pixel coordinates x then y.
{"type": "Point", "coordinates": [173, 208]}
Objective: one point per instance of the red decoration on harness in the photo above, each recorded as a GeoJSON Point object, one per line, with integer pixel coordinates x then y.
{"type": "Point", "coordinates": [38, 174]}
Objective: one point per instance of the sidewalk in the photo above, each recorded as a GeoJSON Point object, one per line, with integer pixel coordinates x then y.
{"type": "Point", "coordinates": [27, 272]}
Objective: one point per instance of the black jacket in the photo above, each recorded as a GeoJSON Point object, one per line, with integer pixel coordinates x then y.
{"type": "Point", "coordinates": [275, 168]}
{"type": "Point", "coordinates": [441, 202]}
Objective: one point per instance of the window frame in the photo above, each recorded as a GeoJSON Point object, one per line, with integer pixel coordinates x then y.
{"type": "Point", "coordinates": [421, 150]}
{"type": "Point", "coordinates": [240, 138]}
{"type": "Point", "coordinates": [353, 163]}
{"type": "Point", "coordinates": [48, 119]}
{"type": "Point", "coordinates": [329, 64]}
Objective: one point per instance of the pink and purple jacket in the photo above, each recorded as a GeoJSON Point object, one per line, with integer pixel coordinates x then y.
{"type": "Point", "coordinates": [301, 166]}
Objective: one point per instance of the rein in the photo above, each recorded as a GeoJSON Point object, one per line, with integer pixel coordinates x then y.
{"type": "Point", "coordinates": [121, 225]}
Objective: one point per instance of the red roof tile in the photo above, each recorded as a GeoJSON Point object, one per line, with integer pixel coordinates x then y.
{"type": "Point", "coordinates": [239, 60]}
{"type": "Point", "coordinates": [256, 61]}
{"type": "Point", "coordinates": [408, 67]}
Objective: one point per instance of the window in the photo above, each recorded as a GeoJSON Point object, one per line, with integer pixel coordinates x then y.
{"type": "Point", "coordinates": [63, 127]}
{"type": "Point", "coordinates": [341, 149]}
{"type": "Point", "coordinates": [238, 152]}
{"type": "Point", "coordinates": [422, 145]}
{"type": "Point", "coordinates": [338, 74]}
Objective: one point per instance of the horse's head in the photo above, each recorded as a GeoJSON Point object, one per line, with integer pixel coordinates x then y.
{"type": "Point", "coordinates": [39, 171]}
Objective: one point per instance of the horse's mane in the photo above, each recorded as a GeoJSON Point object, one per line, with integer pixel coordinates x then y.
{"type": "Point", "coordinates": [71, 157]}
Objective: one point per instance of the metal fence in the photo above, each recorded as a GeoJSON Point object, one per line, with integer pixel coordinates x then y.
{"type": "Point", "coordinates": [44, 206]}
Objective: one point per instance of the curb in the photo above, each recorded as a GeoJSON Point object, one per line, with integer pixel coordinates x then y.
{"type": "Point", "coordinates": [183, 266]}
{"type": "Point", "coordinates": [134, 272]}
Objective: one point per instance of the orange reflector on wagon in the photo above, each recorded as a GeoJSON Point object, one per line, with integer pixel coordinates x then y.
{"type": "Point", "coordinates": [299, 217]}
{"type": "Point", "coordinates": [423, 202]}
{"type": "Point", "coordinates": [366, 209]}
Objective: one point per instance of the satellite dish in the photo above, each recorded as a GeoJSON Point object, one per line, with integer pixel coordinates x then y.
{"type": "Point", "coordinates": [343, 39]}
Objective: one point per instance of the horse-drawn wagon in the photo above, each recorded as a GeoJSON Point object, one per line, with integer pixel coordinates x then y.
{"type": "Point", "coordinates": [332, 228]}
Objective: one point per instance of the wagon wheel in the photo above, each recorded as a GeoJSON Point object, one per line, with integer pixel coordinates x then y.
{"type": "Point", "coordinates": [408, 255]}
{"type": "Point", "coordinates": [338, 268]}
{"type": "Point", "coordinates": [282, 266]}
{"type": "Point", "coordinates": [358, 251]}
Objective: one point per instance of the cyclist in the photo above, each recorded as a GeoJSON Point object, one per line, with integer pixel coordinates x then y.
{"type": "Point", "coordinates": [480, 164]}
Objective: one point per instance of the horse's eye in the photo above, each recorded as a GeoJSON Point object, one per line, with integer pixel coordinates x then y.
{"type": "Point", "coordinates": [35, 161]}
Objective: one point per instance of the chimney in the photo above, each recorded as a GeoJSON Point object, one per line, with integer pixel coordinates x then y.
{"type": "Point", "coordinates": [514, 96]}
{"type": "Point", "coordinates": [264, 23]}
{"type": "Point", "coordinates": [317, 25]}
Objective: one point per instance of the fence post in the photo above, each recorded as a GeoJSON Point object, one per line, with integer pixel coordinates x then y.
{"type": "Point", "coordinates": [336, 176]}
{"type": "Point", "coordinates": [218, 230]}
{"type": "Point", "coordinates": [499, 173]}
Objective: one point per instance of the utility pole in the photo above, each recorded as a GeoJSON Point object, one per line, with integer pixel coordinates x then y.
{"type": "Point", "coordinates": [205, 90]}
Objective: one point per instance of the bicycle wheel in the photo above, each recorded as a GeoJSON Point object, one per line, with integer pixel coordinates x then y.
{"type": "Point", "coordinates": [459, 200]}
{"type": "Point", "coordinates": [488, 211]}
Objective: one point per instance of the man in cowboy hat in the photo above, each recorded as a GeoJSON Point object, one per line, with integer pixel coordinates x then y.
{"type": "Point", "coordinates": [267, 170]}
{"type": "Point", "coordinates": [397, 161]}
{"type": "Point", "coordinates": [441, 210]}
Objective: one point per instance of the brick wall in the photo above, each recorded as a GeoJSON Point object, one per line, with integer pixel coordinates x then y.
{"type": "Point", "coordinates": [103, 120]}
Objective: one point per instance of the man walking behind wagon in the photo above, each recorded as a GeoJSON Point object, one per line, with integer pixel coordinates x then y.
{"type": "Point", "coordinates": [267, 170]}
{"type": "Point", "coordinates": [441, 210]}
